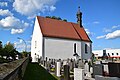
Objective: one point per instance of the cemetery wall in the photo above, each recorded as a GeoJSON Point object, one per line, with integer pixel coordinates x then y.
{"type": "Point", "coordinates": [13, 70]}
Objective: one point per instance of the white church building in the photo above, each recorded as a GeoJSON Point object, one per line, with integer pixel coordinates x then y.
{"type": "Point", "coordinates": [58, 39]}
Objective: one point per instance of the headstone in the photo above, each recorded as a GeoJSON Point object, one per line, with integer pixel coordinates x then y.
{"type": "Point", "coordinates": [114, 69]}
{"type": "Point", "coordinates": [66, 72]}
{"type": "Point", "coordinates": [48, 65]}
{"type": "Point", "coordinates": [58, 66]}
{"type": "Point", "coordinates": [78, 74]}
{"type": "Point", "coordinates": [64, 62]}
{"type": "Point", "coordinates": [44, 63]}
{"type": "Point", "coordinates": [88, 74]}
{"type": "Point", "coordinates": [106, 68]}
{"type": "Point", "coordinates": [71, 65]}
{"type": "Point", "coordinates": [99, 77]}
{"type": "Point", "coordinates": [98, 62]}
{"type": "Point", "coordinates": [80, 64]}
{"type": "Point", "coordinates": [86, 67]}
{"type": "Point", "coordinates": [91, 69]}
{"type": "Point", "coordinates": [97, 69]}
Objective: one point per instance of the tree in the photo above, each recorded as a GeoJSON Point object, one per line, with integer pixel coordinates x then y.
{"type": "Point", "coordinates": [65, 20]}
{"type": "Point", "coordinates": [25, 54]}
{"type": "Point", "coordinates": [10, 51]}
{"type": "Point", "coordinates": [0, 44]}
{"type": "Point", "coordinates": [1, 49]}
{"type": "Point", "coordinates": [57, 18]}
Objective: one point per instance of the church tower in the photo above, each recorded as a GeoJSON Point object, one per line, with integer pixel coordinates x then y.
{"type": "Point", "coordinates": [79, 17]}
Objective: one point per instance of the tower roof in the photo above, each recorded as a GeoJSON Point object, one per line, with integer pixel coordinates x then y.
{"type": "Point", "coordinates": [78, 12]}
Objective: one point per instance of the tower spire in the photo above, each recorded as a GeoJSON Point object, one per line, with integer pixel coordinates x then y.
{"type": "Point", "coordinates": [79, 17]}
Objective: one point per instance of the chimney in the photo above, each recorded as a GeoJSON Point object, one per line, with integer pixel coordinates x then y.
{"type": "Point", "coordinates": [79, 17]}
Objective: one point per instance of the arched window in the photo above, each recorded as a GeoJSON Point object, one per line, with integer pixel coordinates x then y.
{"type": "Point", "coordinates": [86, 48]}
{"type": "Point", "coordinates": [90, 48]}
{"type": "Point", "coordinates": [75, 48]}
{"type": "Point", "coordinates": [108, 54]}
{"type": "Point", "coordinates": [35, 44]}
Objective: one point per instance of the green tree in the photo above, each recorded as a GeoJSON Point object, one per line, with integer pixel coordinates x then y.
{"type": "Point", "coordinates": [0, 44]}
{"type": "Point", "coordinates": [48, 16]}
{"type": "Point", "coordinates": [65, 20]}
{"type": "Point", "coordinates": [1, 49]}
{"type": "Point", "coordinates": [57, 18]}
{"type": "Point", "coordinates": [25, 54]}
{"type": "Point", "coordinates": [10, 51]}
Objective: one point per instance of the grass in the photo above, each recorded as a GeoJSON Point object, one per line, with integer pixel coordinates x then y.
{"type": "Point", "coordinates": [36, 72]}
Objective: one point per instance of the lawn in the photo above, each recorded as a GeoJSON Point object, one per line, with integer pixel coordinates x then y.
{"type": "Point", "coordinates": [36, 72]}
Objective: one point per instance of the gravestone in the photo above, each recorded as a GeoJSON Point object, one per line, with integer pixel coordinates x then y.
{"type": "Point", "coordinates": [71, 65]}
{"type": "Point", "coordinates": [114, 69]}
{"type": "Point", "coordinates": [81, 64]}
{"type": "Point", "coordinates": [66, 72]}
{"type": "Point", "coordinates": [64, 62]}
{"type": "Point", "coordinates": [88, 74]}
{"type": "Point", "coordinates": [48, 65]}
{"type": "Point", "coordinates": [86, 67]}
{"type": "Point", "coordinates": [97, 69]}
{"type": "Point", "coordinates": [91, 69]}
{"type": "Point", "coordinates": [98, 62]}
{"type": "Point", "coordinates": [99, 77]}
{"type": "Point", "coordinates": [58, 67]}
{"type": "Point", "coordinates": [106, 68]}
{"type": "Point", "coordinates": [78, 74]}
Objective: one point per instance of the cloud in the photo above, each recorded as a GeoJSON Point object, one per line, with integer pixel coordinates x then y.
{"type": "Point", "coordinates": [3, 4]}
{"type": "Point", "coordinates": [100, 37]}
{"type": "Point", "coordinates": [5, 13]}
{"type": "Point", "coordinates": [33, 7]}
{"type": "Point", "coordinates": [114, 27]}
{"type": "Point", "coordinates": [20, 45]}
{"type": "Point", "coordinates": [96, 22]}
{"type": "Point", "coordinates": [14, 24]}
{"type": "Point", "coordinates": [113, 35]}
{"type": "Point", "coordinates": [88, 32]}
{"type": "Point", "coordinates": [9, 22]}
{"type": "Point", "coordinates": [17, 31]}
{"type": "Point", "coordinates": [110, 29]}
{"type": "Point", "coordinates": [107, 30]}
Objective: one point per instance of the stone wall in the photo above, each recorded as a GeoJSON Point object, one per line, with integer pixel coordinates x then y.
{"type": "Point", "coordinates": [13, 70]}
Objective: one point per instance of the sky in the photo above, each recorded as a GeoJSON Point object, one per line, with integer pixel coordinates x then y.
{"type": "Point", "coordinates": [100, 18]}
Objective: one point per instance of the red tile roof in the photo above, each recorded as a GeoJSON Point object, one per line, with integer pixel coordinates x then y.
{"type": "Point", "coordinates": [62, 29]}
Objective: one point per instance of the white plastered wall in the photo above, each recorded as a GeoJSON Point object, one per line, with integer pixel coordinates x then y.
{"type": "Point", "coordinates": [61, 48]}
{"type": "Point", "coordinates": [36, 43]}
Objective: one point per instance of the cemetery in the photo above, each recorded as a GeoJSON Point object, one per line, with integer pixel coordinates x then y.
{"type": "Point", "coordinates": [58, 69]}
{"type": "Point", "coordinates": [65, 51]}
{"type": "Point", "coordinates": [72, 69]}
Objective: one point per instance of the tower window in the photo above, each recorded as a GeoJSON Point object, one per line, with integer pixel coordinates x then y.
{"type": "Point", "coordinates": [86, 48]}
{"type": "Point", "coordinates": [90, 47]}
{"type": "Point", "coordinates": [75, 48]}
{"type": "Point", "coordinates": [117, 53]}
{"type": "Point", "coordinates": [112, 53]}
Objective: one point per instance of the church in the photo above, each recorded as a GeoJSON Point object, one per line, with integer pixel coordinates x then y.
{"type": "Point", "coordinates": [58, 39]}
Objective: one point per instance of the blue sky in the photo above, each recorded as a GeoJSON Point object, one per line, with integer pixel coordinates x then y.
{"type": "Point", "coordinates": [101, 19]}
